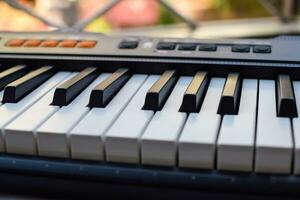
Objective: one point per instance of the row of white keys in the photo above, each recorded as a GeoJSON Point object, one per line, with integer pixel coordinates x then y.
{"type": "Point", "coordinates": [159, 141]}
{"type": "Point", "coordinates": [198, 138]}
{"type": "Point", "coordinates": [88, 137]}
{"type": "Point", "coordinates": [52, 136]}
{"type": "Point", "coordinates": [122, 139]}
{"type": "Point", "coordinates": [20, 134]}
{"type": "Point", "coordinates": [296, 129]}
{"type": "Point", "coordinates": [9, 111]}
{"type": "Point", "coordinates": [124, 132]}
{"type": "Point", "coordinates": [236, 139]}
{"type": "Point", "coordinates": [274, 143]}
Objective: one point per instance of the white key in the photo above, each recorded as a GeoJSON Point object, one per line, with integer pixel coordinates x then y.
{"type": "Point", "coordinates": [198, 138]}
{"type": "Point", "coordinates": [87, 137]}
{"type": "Point", "coordinates": [52, 136]}
{"type": "Point", "coordinates": [9, 111]}
{"type": "Point", "coordinates": [122, 139]}
{"type": "Point", "coordinates": [237, 132]}
{"type": "Point", "coordinates": [274, 143]}
{"type": "Point", "coordinates": [159, 141]}
{"type": "Point", "coordinates": [20, 134]}
{"type": "Point", "coordinates": [296, 129]}
{"type": "Point", "coordinates": [1, 96]}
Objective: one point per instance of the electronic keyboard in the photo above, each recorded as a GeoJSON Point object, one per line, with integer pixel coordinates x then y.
{"type": "Point", "coordinates": [219, 115]}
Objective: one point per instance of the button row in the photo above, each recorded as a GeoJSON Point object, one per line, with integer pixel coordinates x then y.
{"type": "Point", "coordinates": [51, 43]}
{"type": "Point", "coordinates": [241, 48]}
{"type": "Point", "coordinates": [186, 46]}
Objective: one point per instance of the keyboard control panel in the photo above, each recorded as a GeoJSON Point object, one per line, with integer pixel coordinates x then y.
{"type": "Point", "coordinates": [253, 58]}
{"type": "Point", "coordinates": [84, 44]}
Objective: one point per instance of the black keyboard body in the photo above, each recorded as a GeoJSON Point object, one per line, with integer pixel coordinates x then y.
{"type": "Point", "coordinates": [259, 59]}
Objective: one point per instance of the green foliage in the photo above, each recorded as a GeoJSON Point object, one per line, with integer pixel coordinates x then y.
{"type": "Point", "coordinates": [240, 9]}
{"type": "Point", "coordinates": [165, 16]}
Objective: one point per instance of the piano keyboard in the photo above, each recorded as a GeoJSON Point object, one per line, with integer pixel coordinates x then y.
{"type": "Point", "coordinates": [229, 123]}
{"type": "Point", "coordinates": [241, 115]}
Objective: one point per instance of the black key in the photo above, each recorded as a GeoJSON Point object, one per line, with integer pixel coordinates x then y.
{"type": "Point", "coordinates": [286, 103]}
{"type": "Point", "coordinates": [160, 90]}
{"type": "Point", "coordinates": [67, 91]}
{"type": "Point", "coordinates": [19, 88]}
{"type": "Point", "coordinates": [12, 74]}
{"type": "Point", "coordinates": [229, 102]}
{"type": "Point", "coordinates": [194, 94]}
{"type": "Point", "coordinates": [107, 89]}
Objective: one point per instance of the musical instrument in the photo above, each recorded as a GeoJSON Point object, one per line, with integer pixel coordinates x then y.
{"type": "Point", "coordinates": [186, 113]}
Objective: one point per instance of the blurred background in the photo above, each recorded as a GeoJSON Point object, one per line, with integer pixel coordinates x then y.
{"type": "Point", "coordinates": [165, 18]}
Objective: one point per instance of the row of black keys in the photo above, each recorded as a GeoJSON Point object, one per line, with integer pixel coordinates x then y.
{"type": "Point", "coordinates": [18, 81]}
{"type": "Point", "coordinates": [229, 102]}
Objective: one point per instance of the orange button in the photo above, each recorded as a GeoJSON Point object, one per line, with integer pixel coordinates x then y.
{"type": "Point", "coordinates": [86, 44]}
{"type": "Point", "coordinates": [68, 43]}
{"type": "Point", "coordinates": [32, 43]}
{"type": "Point", "coordinates": [49, 43]}
{"type": "Point", "coordinates": [14, 43]}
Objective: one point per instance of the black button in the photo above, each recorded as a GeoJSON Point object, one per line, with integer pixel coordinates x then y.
{"type": "Point", "coordinates": [262, 49]}
{"type": "Point", "coordinates": [166, 46]}
{"type": "Point", "coordinates": [242, 48]}
{"type": "Point", "coordinates": [187, 47]}
{"type": "Point", "coordinates": [128, 45]}
{"type": "Point", "coordinates": [207, 47]}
